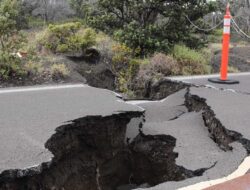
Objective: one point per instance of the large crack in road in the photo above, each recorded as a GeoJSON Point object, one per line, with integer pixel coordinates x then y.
{"type": "Point", "coordinates": [178, 141]}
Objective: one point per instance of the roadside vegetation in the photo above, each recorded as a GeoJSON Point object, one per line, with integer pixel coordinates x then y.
{"type": "Point", "coordinates": [137, 41]}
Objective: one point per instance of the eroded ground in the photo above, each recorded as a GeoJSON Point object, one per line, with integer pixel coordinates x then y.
{"type": "Point", "coordinates": [78, 137]}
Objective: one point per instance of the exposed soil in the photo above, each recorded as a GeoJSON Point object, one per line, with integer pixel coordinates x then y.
{"type": "Point", "coordinates": [95, 74]}
{"type": "Point", "coordinates": [158, 90]}
{"type": "Point", "coordinates": [98, 74]}
{"type": "Point", "coordinates": [91, 154]}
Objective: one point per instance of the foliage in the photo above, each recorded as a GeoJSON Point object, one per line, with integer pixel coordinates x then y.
{"type": "Point", "coordinates": [104, 45]}
{"type": "Point", "coordinates": [59, 71]}
{"type": "Point", "coordinates": [121, 57]}
{"type": "Point", "coordinates": [150, 25]}
{"type": "Point", "coordinates": [190, 61]}
{"type": "Point", "coordinates": [68, 38]}
{"type": "Point", "coordinates": [33, 68]}
{"type": "Point", "coordinates": [240, 11]}
{"type": "Point", "coordinates": [164, 64]}
{"type": "Point", "coordinates": [10, 40]}
{"type": "Point", "coordinates": [124, 66]}
{"type": "Point", "coordinates": [81, 8]}
{"type": "Point", "coordinates": [10, 66]}
{"type": "Point", "coordinates": [215, 36]}
{"type": "Point", "coordinates": [127, 76]}
{"type": "Point", "coordinates": [35, 22]}
{"type": "Point", "coordinates": [146, 40]}
{"type": "Point", "coordinates": [158, 66]}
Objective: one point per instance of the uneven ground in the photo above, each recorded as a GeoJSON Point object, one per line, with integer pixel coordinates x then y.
{"type": "Point", "coordinates": [206, 135]}
{"type": "Point", "coordinates": [98, 73]}
{"type": "Point", "coordinates": [63, 140]}
{"type": "Point", "coordinates": [95, 74]}
{"type": "Point", "coordinates": [75, 137]}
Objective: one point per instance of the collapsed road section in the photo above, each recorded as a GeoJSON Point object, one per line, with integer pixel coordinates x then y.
{"type": "Point", "coordinates": [211, 131]}
{"type": "Point", "coordinates": [79, 137]}
{"type": "Point", "coordinates": [182, 116]}
{"type": "Point", "coordinates": [64, 137]}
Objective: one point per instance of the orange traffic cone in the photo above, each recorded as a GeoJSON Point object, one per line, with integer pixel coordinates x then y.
{"type": "Point", "coordinates": [225, 52]}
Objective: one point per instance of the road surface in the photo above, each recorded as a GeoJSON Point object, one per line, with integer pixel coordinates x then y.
{"type": "Point", "coordinates": [29, 117]}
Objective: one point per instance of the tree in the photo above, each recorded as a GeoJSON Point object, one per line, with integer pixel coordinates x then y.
{"type": "Point", "coordinates": [150, 25]}
{"type": "Point", "coordinates": [81, 7]}
{"type": "Point", "coordinates": [10, 39]}
{"type": "Point", "coordinates": [240, 10]}
{"type": "Point", "coordinates": [48, 10]}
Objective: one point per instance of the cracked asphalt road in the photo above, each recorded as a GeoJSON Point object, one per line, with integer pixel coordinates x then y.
{"type": "Point", "coordinates": [34, 113]}
{"type": "Point", "coordinates": [29, 117]}
{"type": "Point", "coordinates": [195, 147]}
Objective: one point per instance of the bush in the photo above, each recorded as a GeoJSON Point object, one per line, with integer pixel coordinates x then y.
{"type": "Point", "coordinates": [121, 57]}
{"type": "Point", "coordinates": [163, 64]}
{"type": "Point", "coordinates": [33, 68]}
{"type": "Point", "coordinates": [105, 46]}
{"type": "Point", "coordinates": [216, 36]}
{"type": "Point", "coordinates": [153, 69]}
{"type": "Point", "coordinates": [126, 76]}
{"type": "Point", "coordinates": [10, 66]}
{"type": "Point", "coordinates": [11, 40]}
{"type": "Point", "coordinates": [68, 38]}
{"type": "Point", "coordinates": [190, 61]}
{"type": "Point", "coordinates": [124, 66]}
{"type": "Point", "coordinates": [144, 40]}
{"type": "Point", "coordinates": [59, 71]}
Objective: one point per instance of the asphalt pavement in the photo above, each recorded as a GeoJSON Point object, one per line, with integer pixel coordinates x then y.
{"type": "Point", "coordinates": [243, 78]}
{"type": "Point", "coordinates": [231, 105]}
{"type": "Point", "coordinates": [29, 117]}
{"type": "Point", "coordinates": [194, 146]}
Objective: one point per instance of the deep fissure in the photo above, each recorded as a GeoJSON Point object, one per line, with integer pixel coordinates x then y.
{"type": "Point", "coordinates": [219, 133]}
{"type": "Point", "coordinates": [91, 153]}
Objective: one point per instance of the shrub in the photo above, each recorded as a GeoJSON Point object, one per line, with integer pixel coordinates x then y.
{"type": "Point", "coordinates": [126, 76]}
{"type": "Point", "coordinates": [145, 40]}
{"type": "Point", "coordinates": [59, 71]}
{"type": "Point", "coordinates": [124, 66]}
{"type": "Point", "coordinates": [68, 38]}
{"type": "Point", "coordinates": [105, 46]}
{"type": "Point", "coordinates": [216, 36]}
{"type": "Point", "coordinates": [153, 69]}
{"type": "Point", "coordinates": [121, 57]}
{"type": "Point", "coordinates": [11, 40]}
{"type": "Point", "coordinates": [159, 65]}
{"type": "Point", "coordinates": [33, 68]}
{"type": "Point", "coordinates": [163, 64]}
{"type": "Point", "coordinates": [190, 61]}
{"type": "Point", "coordinates": [10, 66]}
